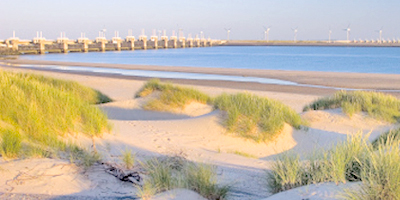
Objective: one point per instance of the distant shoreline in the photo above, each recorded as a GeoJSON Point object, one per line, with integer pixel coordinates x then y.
{"type": "Point", "coordinates": [305, 43]}
{"type": "Point", "coordinates": [330, 79]}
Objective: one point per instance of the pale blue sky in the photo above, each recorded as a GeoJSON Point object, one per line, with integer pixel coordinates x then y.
{"type": "Point", "coordinates": [246, 18]}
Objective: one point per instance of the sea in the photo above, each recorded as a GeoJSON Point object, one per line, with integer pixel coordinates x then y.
{"type": "Point", "coordinates": [384, 60]}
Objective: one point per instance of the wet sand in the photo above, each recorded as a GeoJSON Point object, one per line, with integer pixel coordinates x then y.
{"type": "Point", "coordinates": [330, 79]}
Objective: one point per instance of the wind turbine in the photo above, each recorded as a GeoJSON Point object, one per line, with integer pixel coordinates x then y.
{"type": "Point", "coordinates": [380, 34]}
{"type": "Point", "coordinates": [103, 31]}
{"type": "Point", "coordinates": [348, 32]}
{"type": "Point", "coordinates": [228, 30]}
{"type": "Point", "coordinates": [266, 33]}
{"type": "Point", "coordinates": [295, 33]}
{"type": "Point", "coordinates": [330, 34]}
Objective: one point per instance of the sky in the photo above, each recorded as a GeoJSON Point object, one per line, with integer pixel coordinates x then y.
{"type": "Point", "coordinates": [245, 18]}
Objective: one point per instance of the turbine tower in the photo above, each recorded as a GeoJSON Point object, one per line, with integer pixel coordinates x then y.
{"type": "Point", "coordinates": [228, 30]}
{"type": "Point", "coordinates": [380, 34]}
{"type": "Point", "coordinates": [104, 32]}
{"type": "Point", "coordinates": [330, 34]}
{"type": "Point", "coordinates": [348, 32]}
{"type": "Point", "coordinates": [266, 33]}
{"type": "Point", "coordinates": [295, 34]}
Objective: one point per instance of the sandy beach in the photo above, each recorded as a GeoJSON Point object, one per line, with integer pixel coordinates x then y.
{"type": "Point", "coordinates": [196, 132]}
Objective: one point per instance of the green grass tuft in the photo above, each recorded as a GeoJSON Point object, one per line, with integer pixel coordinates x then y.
{"type": "Point", "coordinates": [256, 118]}
{"type": "Point", "coordinates": [171, 173]}
{"type": "Point", "coordinates": [380, 173]}
{"type": "Point", "coordinates": [383, 139]}
{"type": "Point", "coordinates": [171, 97]}
{"type": "Point", "coordinates": [128, 158]}
{"type": "Point", "coordinates": [240, 153]}
{"type": "Point", "coordinates": [378, 105]}
{"type": "Point", "coordinates": [42, 111]}
{"type": "Point", "coordinates": [339, 164]}
{"type": "Point", "coordinates": [10, 145]}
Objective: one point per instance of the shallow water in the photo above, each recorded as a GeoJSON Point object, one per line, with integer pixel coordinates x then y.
{"type": "Point", "coordinates": [181, 75]}
{"type": "Point", "coordinates": [331, 59]}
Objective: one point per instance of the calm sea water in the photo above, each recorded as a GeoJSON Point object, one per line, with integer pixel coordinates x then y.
{"type": "Point", "coordinates": [332, 59]}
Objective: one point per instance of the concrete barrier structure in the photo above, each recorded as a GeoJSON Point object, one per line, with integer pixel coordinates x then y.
{"type": "Point", "coordinates": [40, 45]}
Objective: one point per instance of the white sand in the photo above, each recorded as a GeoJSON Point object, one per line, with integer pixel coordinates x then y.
{"type": "Point", "coordinates": [199, 135]}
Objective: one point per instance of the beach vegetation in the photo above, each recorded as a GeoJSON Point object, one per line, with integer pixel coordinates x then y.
{"type": "Point", "coordinates": [380, 173]}
{"type": "Point", "coordinates": [128, 158]}
{"type": "Point", "coordinates": [377, 105]}
{"type": "Point", "coordinates": [170, 96]}
{"type": "Point", "coordinates": [375, 167]}
{"type": "Point", "coordinates": [37, 114]}
{"type": "Point", "coordinates": [389, 136]}
{"type": "Point", "coordinates": [340, 164]}
{"type": "Point", "coordinates": [244, 154]}
{"type": "Point", "coordinates": [257, 118]}
{"type": "Point", "coordinates": [169, 173]}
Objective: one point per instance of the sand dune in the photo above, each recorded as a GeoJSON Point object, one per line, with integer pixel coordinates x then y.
{"type": "Point", "coordinates": [196, 131]}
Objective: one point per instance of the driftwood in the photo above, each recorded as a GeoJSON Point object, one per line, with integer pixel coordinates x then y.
{"type": "Point", "coordinates": [133, 175]}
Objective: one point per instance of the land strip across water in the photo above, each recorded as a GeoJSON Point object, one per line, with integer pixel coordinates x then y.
{"type": "Point", "coordinates": [380, 82]}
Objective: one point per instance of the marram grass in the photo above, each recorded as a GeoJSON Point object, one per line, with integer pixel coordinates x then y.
{"type": "Point", "coordinates": [248, 116]}
{"type": "Point", "coordinates": [378, 105]}
{"type": "Point", "coordinates": [379, 172]}
{"type": "Point", "coordinates": [340, 164]}
{"type": "Point", "coordinates": [256, 118]}
{"type": "Point", "coordinates": [390, 136]}
{"type": "Point", "coordinates": [170, 97]}
{"type": "Point", "coordinates": [171, 173]}
{"type": "Point", "coordinates": [375, 167]}
{"type": "Point", "coordinates": [36, 113]}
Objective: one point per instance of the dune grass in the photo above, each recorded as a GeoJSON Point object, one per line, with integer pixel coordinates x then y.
{"type": "Point", "coordinates": [378, 105]}
{"type": "Point", "coordinates": [171, 173]}
{"type": "Point", "coordinates": [249, 116]}
{"type": "Point", "coordinates": [128, 158]}
{"type": "Point", "coordinates": [356, 159]}
{"type": "Point", "coordinates": [171, 97]}
{"type": "Point", "coordinates": [37, 113]}
{"type": "Point", "coordinates": [380, 173]}
{"type": "Point", "coordinates": [339, 164]}
{"type": "Point", "coordinates": [256, 118]}
{"type": "Point", "coordinates": [244, 154]}
{"type": "Point", "coordinates": [390, 136]}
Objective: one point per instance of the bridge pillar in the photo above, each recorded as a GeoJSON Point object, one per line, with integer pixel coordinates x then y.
{"type": "Point", "coordinates": [204, 43]}
{"type": "Point", "coordinates": [65, 47]}
{"type": "Point", "coordinates": [155, 39]}
{"type": "Point", "coordinates": [131, 41]}
{"type": "Point", "coordinates": [165, 40]}
{"type": "Point", "coordinates": [145, 44]}
{"type": "Point", "coordinates": [190, 43]}
{"type": "Point", "coordinates": [119, 46]}
{"type": "Point", "coordinates": [143, 38]}
{"type": "Point", "coordinates": [103, 45]}
{"type": "Point", "coordinates": [42, 47]}
{"type": "Point", "coordinates": [86, 46]}
{"type": "Point", "coordinates": [183, 40]}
